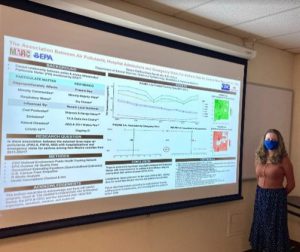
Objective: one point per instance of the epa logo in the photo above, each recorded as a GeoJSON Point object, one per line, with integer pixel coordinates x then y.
{"type": "Point", "coordinates": [42, 56]}
{"type": "Point", "coordinates": [225, 87]}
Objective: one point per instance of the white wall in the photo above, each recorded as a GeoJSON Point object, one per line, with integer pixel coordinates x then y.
{"type": "Point", "coordinates": [294, 221]}
{"type": "Point", "coordinates": [271, 67]}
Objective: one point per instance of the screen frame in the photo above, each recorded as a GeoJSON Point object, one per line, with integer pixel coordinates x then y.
{"type": "Point", "coordinates": [115, 29]}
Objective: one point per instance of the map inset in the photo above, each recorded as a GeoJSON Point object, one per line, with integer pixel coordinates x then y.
{"type": "Point", "coordinates": [220, 141]}
{"type": "Point", "coordinates": [221, 110]}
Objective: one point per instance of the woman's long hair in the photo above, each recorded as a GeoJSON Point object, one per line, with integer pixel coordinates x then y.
{"type": "Point", "coordinates": [261, 155]}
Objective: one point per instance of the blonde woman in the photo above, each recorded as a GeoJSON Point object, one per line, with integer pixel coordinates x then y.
{"type": "Point", "coordinates": [275, 179]}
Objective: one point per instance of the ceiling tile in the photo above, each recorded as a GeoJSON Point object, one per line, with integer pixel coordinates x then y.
{"type": "Point", "coordinates": [284, 42]}
{"type": "Point", "coordinates": [231, 12]}
{"type": "Point", "coordinates": [283, 23]}
{"type": "Point", "coordinates": [273, 22]}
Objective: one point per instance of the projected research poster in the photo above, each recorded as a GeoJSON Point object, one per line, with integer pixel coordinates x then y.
{"type": "Point", "coordinates": [79, 126]}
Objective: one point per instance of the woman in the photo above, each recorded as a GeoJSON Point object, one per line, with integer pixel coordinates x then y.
{"type": "Point", "coordinates": [275, 179]}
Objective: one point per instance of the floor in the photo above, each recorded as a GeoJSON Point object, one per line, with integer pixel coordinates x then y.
{"type": "Point", "coordinates": [295, 247]}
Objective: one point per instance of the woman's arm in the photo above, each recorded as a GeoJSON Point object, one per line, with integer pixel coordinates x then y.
{"type": "Point", "coordinates": [289, 174]}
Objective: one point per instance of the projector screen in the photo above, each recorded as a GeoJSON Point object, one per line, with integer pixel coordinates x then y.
{"type": "Point", "coordinates": [97, 125]}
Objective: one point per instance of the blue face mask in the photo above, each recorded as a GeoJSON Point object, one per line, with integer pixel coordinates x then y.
{"type": "Point", "coordinates": [271, 144]}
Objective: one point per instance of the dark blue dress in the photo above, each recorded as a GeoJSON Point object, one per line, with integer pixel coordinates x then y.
{"type": "Point", "coordinates": [269, 231]}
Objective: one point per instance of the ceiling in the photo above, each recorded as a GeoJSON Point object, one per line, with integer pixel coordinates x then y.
{"type": "Point", "coordinates": [272, 22]}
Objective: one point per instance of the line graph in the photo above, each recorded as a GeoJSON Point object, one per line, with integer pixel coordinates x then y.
{"type": "Point", "coordinates": [155, 103]}
{"type": "Point", "coordinates": [143, 95]}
